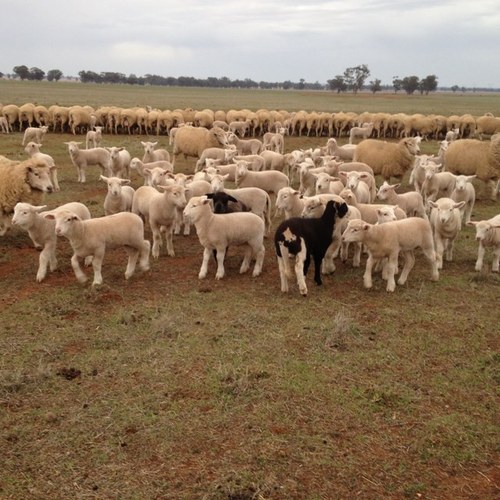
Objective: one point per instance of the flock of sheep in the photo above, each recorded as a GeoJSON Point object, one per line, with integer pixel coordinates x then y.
{"type": "Point", "coordinates": [326, 194]}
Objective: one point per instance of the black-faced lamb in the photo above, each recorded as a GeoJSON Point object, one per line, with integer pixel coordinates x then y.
{"type": "Point", "coordinates": [305, 239]}
{"type": "Point", "coordinates": [91, 238]}
{"type": "Point", "coordinates": [217, 232]}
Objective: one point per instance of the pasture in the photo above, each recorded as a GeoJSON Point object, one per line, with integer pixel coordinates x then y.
{"type": "Point", "coordinates": [165, 386]}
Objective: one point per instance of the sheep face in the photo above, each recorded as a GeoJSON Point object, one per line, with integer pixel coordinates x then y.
{"type": "Point", "coordinates": [194, 207]}
{"type": "Point", "coordinates": [65, 221]}
{"type": "Point", "coordinates": [312, 208]}
{"type": "Point", "coordinates": [284, 198]}
{"type": "Point", "coordinates": [386, 214]}
{"type": "Point", "coordinates": [485, 230]}
{"type": "Point", "coordinates": [39, 179]}
{"type": "Point", "coordinates": [355, 230]}
{"type": "Point", "coordinates": [385, 190]}
{"type": "Point", "coordinates": [446, 210]}
{"type": "Point", "coordinates": [24, 214]}
{"type": "Point", "coordinates": [412, 144]}
{"type": "Point", "coordinates": [114, 184]}
{"type": "Point", "coordinates": [462, 180]}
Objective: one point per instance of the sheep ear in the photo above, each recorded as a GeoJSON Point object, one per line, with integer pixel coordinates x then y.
{"type": "Point", "coordinates": [142, 142]}
{"type": "Point", "coordinates": [471, 223]}
{"type": "Point", "coordinates": [231, 198]}
{"type": "Point", "coordinates": [459, 205]}
{"type": "Point", "coordinates": [395, 186]}
{"type": "Point", "coordinates": [204, 200]}
{"type": "Point", "coordinates": [210, 196]}
{"type": "Point", "coordinates": [124, 181]}
{"type": "Point", "coordinates": [433, 204]}
{"type": "Point", "coordinates": [366, 226]}
{"type": "Point", "coordinates": [49, 216]}
{"type": "Point", "coordinates": [103, 178]}
{"type": "Point", "coordinates": [40, 208]}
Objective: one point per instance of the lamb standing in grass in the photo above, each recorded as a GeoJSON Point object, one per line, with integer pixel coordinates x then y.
{"type": "Point", "coordinates": [119, 196]}
{"type": "Point", "coordinates": [83, 158]}
{"type": "Point", "coordinates": [388, 240]}
{"type": "Point", "coordinates": [464, 191]}
{"type": "Point", "coordinates": [488, 236]}
{"type": "Point", "coordinates": [91, 238]}
{"type": "Point", "coordinates": [119, 165]}
{"type": "Point", "coordinates": [446, 222]}
{"type": "Point", "coordinates": [217, 232]}
{"type": "Point", "coordinates": [93, 138]}
{"type": "Point", "coordinates": [35, 134]}
{"type": "Point", "coordinates": [42, 231]}
{"type": "Point", "coordinates": [412, 202]}
{"type": "Point", "coordinates": [305, 239]}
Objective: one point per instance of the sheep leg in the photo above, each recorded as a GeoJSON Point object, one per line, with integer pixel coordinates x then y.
{"type": "Point", "coordinates": [221, 254]}
{"type": "Point", "coordinates": [492, 185]}
{"type": "Point", "coordinates": [367, 277]}
{"type": "Point", "coordinates": [170, 241]}
{"type": "Point", "coordinates": [407, 267]}
{"type": "Point", "coordinates": [480, 256]}
{"type": "Point", "coordinates": [439, 252]}
{"type": "Point", "coordinates": [318, 259]}
{"type": "Point", "coordinates": [43, 264]}
{"type": "Point", "coordinates": [157, 240]}
{"type": "Point", "coordinates": [245, 265]}
{"type": "Point", "coordinates": [283, 274]}
{"type": "Point", "coordinates": [133, 256]}
{"type": "Point", "coordinates": [75, 264]}
{"type": "Point", "coordinates": [53, 178]}
{"type": "Point", "coordinates": [207, 253]}
{"type": "Point", "coordinates": [144, 256]}
{"type": "Point", "coordinates": [356, 259]}
{"type": "Point", "coordinates": [97, 266]}
{"type": "Point", "coordinates": [449, 249]}
{"type": "Point", "coordinates": [328, 265]}
{"type": "Point", "coordinates": [259, 260]}
{"type": "Point", "coordinates": [300, 270]}
{"type": "Point", "coordinates": [496, 260]}
{"type": "Point", "coordinates": [430, 254]}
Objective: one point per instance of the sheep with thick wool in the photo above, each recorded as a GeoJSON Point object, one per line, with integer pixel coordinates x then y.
{"type": "Point", "coordinates": [192, 141]}
{"type": "Point", "coordinates": [42, 230]}
{"type": "Point", "coordinates": [488, 236]}
{"type": "Point", "coordinates": [91, 238]}
{"type": "Point", "coordinates": [33, 150]}
{"type": "Point", "coordinates": [388, 241]}
{"type": "Point", "coordinates": [27, 181]}
{"type": "Point", "coordinates": [217, 232]}
{"type": "Point", "coordinates": [386, 158]}
{"type": "Point", "coordinates": [473, 157]}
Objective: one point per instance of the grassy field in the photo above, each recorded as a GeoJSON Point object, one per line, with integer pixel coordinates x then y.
{"type": "Point", "coordinates": [168, 387]}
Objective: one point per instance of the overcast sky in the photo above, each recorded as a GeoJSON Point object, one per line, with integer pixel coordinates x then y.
{"type": "Point", "coordinates": [264, 40]}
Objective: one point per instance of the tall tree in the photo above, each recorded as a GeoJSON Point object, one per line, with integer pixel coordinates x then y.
{"type": "Point", "coordinates": [356, 76]}
{"type": "Point", "coordinates": [22, 72]}
{"type": "Point", "coordinates": [428, 84]}
{"type": "Point", "coordinates": [54, 75]}
{"type": "Point", "coordinates": [36, 73]}
{"type": "Point", "coordinates": [337, 84]}
{"type": "Point", "coordinates": [397, 84]}
{"type": "Point", "coordinates": [375, 85]}
{"type": "Point", "coordinates": [410, 84]}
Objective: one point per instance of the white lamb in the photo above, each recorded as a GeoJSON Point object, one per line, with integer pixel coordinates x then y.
{"type": "Point", "coordinates": [163, 214]}
{"type": "Point", "coordinates": [35, 134]}
{"type": "Point", "coordinates": [411, 202]}
{"type": "Point", "coordinates": [152, 154]}
{"type": "Point", "coordinates": [217, 232]}
{"type": "Point", "coordinates": [33, 149]}
{"type": "Point", "coordinates": [91, 238]}
{"type": "Point", "coordinates": [119, 196]}
{"type": "Point", "coordinates": [289, 201]}
{"type": "Point", "coordinates": [42, 231]}
{"type": "Point", "coordinates": [388, 240]}
{"type": "Point", "coordinates": [139, 166]}
{"type": "Point", "coordinates": [446, 222]}
{"type": "Point", "coordinates": [119, 165]}
{"type": "Point", "coordinates": [93, 138]}
{"type": "Point", "coordinates": [270, 181]}
{"type": "Point", "coordinates": [325, 183]}
{"type": "Point", "coordinates": [437, 184]}
{"type": "Point", "coordinates": [362, 132]}
{"type": "Point", "coordinates": [83, 158]}
{"type": "Point", "coordinates": [488, 236]}
{"type": "Point", "coordinates": [362, 184]}
{"type": "Point", "coordinates": [465, 191]}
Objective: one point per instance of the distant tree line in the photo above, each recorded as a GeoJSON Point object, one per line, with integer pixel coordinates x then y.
{"type": "Point", "coordinates": [353, 80]}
